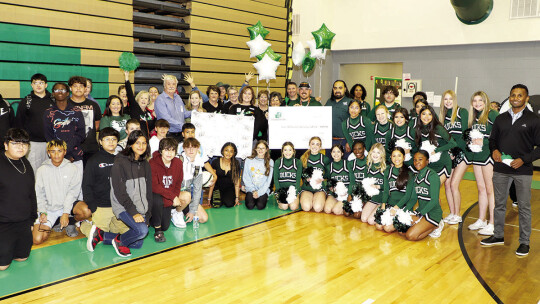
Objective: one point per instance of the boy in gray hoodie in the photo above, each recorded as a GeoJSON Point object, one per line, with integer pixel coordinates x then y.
{"type": "Point", "coordinates": [58, 184]}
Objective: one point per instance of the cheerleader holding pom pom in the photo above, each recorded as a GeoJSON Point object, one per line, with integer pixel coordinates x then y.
{"type": "Point", "coordinates": [375, 182]}
{"type": "Point", "coordinates": [313, 194]}
{"type": "Point", "coordinates": [339, 176]}
{"type": "Point", "coordinates": [287, 177]}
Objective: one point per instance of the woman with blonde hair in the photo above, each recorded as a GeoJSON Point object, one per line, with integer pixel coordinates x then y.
{"type": "Point", "coordinates": [311, 198]}
{"type": "Point", "coordinates": [375, 168]}
{"type": "Point", "coordinates": [455, 121]}
{"type": "Point", "coordinates": [194, 103]}
{"type": "Point", "coordinates": [140, 111]}
{"type": "Point", "coordinates": [481, 118]}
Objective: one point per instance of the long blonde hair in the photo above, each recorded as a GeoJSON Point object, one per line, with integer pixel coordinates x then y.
{"type": "Point", "coordinates": [482, 120]}
{"type": "Point", "coordinates": [382, 166]}
{"type": "Point", "coordinates": [266, 155]}
{"type": "Point", "coordinates": [189, 107]}
{"type": "Point", "coordinates": [444, 110]}
{"type": "Point", "coordinates": [306, 154]}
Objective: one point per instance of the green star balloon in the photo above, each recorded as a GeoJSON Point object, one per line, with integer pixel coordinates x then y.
{"type": "Point", "coordinates": [257, 29]}
{"type": "Point", "coordinates": [273, 55]}
{"type": "Point", "coordinates": [323, 37]}
{"type": "Point", "coordinates": [308, 63]}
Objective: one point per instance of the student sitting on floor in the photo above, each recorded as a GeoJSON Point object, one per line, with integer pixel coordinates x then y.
{"type": "Point", "coordinates": [96, 187]}
{"type": "Point", "coordinates": [58, 184]}
{"type": "Point", "coordinates": [193, 163]}
{"type": "Point", "coordinates": [258, 172]}
{"type": "Point", "coordinates": [167, 174]}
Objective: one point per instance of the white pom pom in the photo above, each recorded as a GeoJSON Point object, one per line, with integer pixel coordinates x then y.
{"type": "Point", "coordinates": [404, 217]}
{"type": "Point", "coordinates": [316, 179]}
{"type": "Point", "coordinates": [408, 157]}
{"type": "Point", "coordinates": [387, 218]}
{"type": "Point", "coordinates": [356, 204]}
{"type": "Point", "coordinates": [402, 143]}
{"type": "Point", "coordinates": [291, 194]}
{"type": "Point", "coordinates": [475, 148]}
{"type": "Point", "coordinates": [369, 186]}
{"type": "Point", "coordinates": [428, 147]}
{"type": "Point", "coordinates": [507, 162]}
{"type": "Point", "coordinates": [476, 134]}
{"type": "Point", "coordinates": [341, 191]}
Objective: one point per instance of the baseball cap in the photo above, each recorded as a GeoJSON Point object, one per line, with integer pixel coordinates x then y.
{"type": "Point", "coordinates": [304, 85]}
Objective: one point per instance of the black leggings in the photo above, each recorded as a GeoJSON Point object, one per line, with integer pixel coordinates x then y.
{"type": "Point", "coordinates": [227, 197]}
{"type": "Point", "coordinates": [259, 202]}
{"type": "Point", "coordinates": [161, 216]}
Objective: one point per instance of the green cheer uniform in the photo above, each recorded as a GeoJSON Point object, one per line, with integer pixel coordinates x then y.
{"type": "Point", "coordinates": [381, 180]}
{"type": "Point", "coordinates": [340, 172]}
{"type": "Point", "coordinates": [425, 191]}
{"type": "Point", "coordinates": [391, 109]}
{"type": "Point", "coordinates": [358, 169]}
{"type": "Point", "coordinates": [380, 131]}
{"type": "Point", "coordinates": [340, 112]}
{"type": "Point", "coordinates": [359, 128]}
{"type": "Point", "coordinates": [287, 172]}
{"type": "Point", "coordinates": [484, 158]}
{"type": "Point", "coordinates": [316, 161]}
{"type": "Point", "coordinates": [392, 195]}
{"type": "Point", "coordinates": [457, 128]}
{"type": "Point", "coordinates": [365, 108]}
{"type": "Point", "coordinates": [397, 133]}
{"type": "Point", "coordinates": [444, 143]}
{"type": "Point", "coordinates": [312, 102]}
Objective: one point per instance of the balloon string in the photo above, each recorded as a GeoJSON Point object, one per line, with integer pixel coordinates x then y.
{"type": "Point", "coordinates": [257, 85]}
{"type": "Point", "coordinates": [320, 77]}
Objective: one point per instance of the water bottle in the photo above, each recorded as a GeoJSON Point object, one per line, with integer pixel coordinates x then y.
{"type": "Point", "coordinates": [196, 221]}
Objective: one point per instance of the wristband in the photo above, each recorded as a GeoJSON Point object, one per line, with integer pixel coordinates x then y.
{"type": "Point", "coordinates": [43, 213]}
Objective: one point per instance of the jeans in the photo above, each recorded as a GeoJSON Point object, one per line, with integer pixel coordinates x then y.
{"type": "Point", "coordinates": [134, 237]}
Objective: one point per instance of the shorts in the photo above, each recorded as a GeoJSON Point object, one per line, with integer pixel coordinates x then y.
{"type": "Point", "coordinates": [15, 241]}
{"type": "Point", "coordinates": [105, 220]}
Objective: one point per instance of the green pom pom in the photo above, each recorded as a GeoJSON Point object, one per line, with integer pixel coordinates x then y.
{"type": "Point", "coordinates": [128, 62]}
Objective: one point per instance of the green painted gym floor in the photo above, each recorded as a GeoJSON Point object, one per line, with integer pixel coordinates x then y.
{"type": "Point", "coordinates": [55, 263]}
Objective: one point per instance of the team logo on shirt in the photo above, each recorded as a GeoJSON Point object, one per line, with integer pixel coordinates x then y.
{"type": "Point", "coordinates": [358, 134]}
{"type": "Point", "coordinates": [359, 175]}
{"type": "Point", "coordinates": [479, 127]}
{"type": "Point", "coordinates": [167, 181]}
{"type": "Point", "coordinates": [421, 190]}
{"type": "Point", "coordinates": [104, 165]}
{"type": "Point", "coordinates": [287, 175]}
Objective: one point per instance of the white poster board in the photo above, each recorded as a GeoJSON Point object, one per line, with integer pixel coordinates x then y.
{"type": "Point", "coordinates": [298, 125]}
{"type": "Point", "coordinates": [214, 130]}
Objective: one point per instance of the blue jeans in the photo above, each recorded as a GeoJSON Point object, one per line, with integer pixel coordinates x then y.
{"type": "Point", "coordinates": [134, 237]}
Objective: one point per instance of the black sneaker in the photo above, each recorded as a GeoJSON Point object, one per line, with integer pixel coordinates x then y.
{"type": "Point", "coordinates": [122, 251]}
{"type": "Point", "coordinates": [522, 250]}
{"type": "Point", "coordinates": [492, 240]}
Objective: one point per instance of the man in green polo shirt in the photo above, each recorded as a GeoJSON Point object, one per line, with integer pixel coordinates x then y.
{"type": "Point", "coordinates": [304, 90]}
{"type": "Point", "coordinates": [339, 101]}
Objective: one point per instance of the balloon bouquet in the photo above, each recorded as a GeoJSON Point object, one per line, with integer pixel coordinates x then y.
{"type": "Point", "coordinates": [268, 60]}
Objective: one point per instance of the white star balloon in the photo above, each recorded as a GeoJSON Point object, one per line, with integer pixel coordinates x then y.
{"type": "Point", "coordinates": [298, 53]}
{"type": "Point", "coordinates": [266, 68]}
{"type": "Point", "coordinates": [257, 46]}
{"type": "Point", "coordinates": [315, 52]}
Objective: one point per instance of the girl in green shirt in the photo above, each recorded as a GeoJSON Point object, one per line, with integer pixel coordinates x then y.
{"type": "Point", "coordinates": [339, 171]}
{"type": "Point", "coordinates": [288, 172]}
{"type": "Point", "coordinates": [357, 127]}
{"type": "Point", "coordinates": [401, 130]}
{"type": "Point", "coordinates": [376, 168]}
{"type": "Point", "coordinates": [313, 198]}
{"type": "Point", "coordinates": [382, 126]}
{"type": "Point", "coordinates": [114, 116]}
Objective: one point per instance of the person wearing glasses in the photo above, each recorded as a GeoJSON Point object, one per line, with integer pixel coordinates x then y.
{"type": "Point", "coordinates": [18, 206]}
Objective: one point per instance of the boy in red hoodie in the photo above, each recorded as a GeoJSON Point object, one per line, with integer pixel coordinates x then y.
{"type": "Point", "coordinates": [167, 175]}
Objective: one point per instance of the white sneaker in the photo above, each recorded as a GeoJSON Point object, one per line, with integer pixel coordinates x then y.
{"type": "Point", "coordinates": [437, 232]}
{"type": "Point", "coordinates": [488, 230]}
{"type": "Point", "coordinates": [456, 219]}
{"type": "Point", "coordinates": [448, 218]}
{"type": "Point", "coordinates": [177, 219]}
{"type": "Point", "coordinates": [479, 224]}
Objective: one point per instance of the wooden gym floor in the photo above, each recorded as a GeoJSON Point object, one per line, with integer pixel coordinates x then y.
{"type": "Point", "coordinates": [272, 256]}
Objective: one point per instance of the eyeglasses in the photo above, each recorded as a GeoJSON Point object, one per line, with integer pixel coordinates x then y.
{"type": "Point", "coordinates": [60, 91]}
{"type": "Point", "coordinates": [19, 144]}
{"type": "Point", "coordinates": [48, 230]}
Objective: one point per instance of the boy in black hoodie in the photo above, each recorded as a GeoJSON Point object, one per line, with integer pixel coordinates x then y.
{"type": "Point", "coordinates": [96, 188]}
{"type": "Point", "coordinates": [30, 118]}
{"type": "Point", "coordinates": [7, 118]}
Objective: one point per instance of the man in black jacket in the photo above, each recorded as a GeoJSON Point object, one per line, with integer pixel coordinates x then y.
{"type": "Point", "coordinates": [18, 205]}
{"type": "Point", "coordinates": [30, 118]}
{"type": "Point", "coordinates": [7, 117]}
{"type": "Point", "coordinates": [512, 143]}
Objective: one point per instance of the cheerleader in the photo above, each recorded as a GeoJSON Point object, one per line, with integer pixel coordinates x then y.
{"type": "Point", "coordinates": [357, 127]}
{"type": "Point", "coordinates": [357, 166]}
{"type": "Point", "coordinates": [382, 126]}
{"type": "Point", "coordinates": [455, 122]}
{"type": "Point", "coordinates": [419, 101]}
{"type": "Point", "coordinates": [425, 190]}
{"type": "Point", "coordinates": [401, 130]}
{"type": "Point", "coordinates": [313, 158]}
{"type": "Point", "coordinates": [339, 171]}
{"type": "Point", "coordinates": [376, 168]}
{"type": "Point", "coordinates": [288, 172]}
{"type": "Point", "coordinates": [481, 118]}
{"type": "Point", "coordinates": [430, 129]}
{"type": "Point", "coordinates": [399, 181]}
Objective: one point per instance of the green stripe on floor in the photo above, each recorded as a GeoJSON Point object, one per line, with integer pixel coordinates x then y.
{"type": "Point", "coordinates": [58, 262]}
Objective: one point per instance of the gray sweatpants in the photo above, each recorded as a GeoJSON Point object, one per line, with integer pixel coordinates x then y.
{"type": "Point", "coordinates": [501, 186]}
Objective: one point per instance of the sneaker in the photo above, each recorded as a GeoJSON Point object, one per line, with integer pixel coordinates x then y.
{"type": "Point", "coordinates": [122, 251]}
{"type": "Point", "coordinates": [437, 232]}
{"type": "Point", "coordinates": [56, 228]}
{"type": "Point", "coordinates": [479, 224]}
{"type": "Point", "coordinates": [522, 250]}
{"type": "Point", "coordinates": [448, 218]}
{"type": "Point", "coordinates": [492, 240]}
{"type": "Point", "coordinates": [177, 219]}
{"type": "Point", "coordinates": [71, 231]}
{"type": "Point", "coordinates": [515, 205]}
{"type": "Point", "coordinates": [456, 219]}
{"type": "Point", "coordinates": [488, 230]}
{"type": "Point", "coordinates": [94, 237]}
